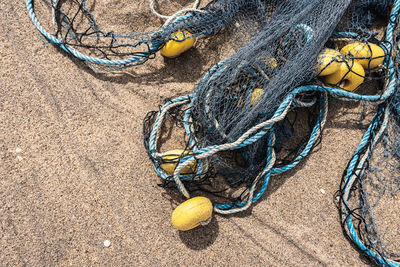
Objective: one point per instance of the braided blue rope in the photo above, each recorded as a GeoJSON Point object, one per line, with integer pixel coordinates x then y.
{"type": "Point", "coordinates": [264, 185]}
{"type": "Point", "coordinates": [307, 148]}
{"type": "Point", "coordinates": [152, 142]}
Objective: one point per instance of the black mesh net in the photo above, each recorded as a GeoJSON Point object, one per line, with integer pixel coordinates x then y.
{"type": "Point", "coordinates": [369, 191]}
{"type": "Point", "coordinates": [73, 26]}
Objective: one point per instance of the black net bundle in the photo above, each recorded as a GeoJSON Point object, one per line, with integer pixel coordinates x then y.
{"type": "Point", "coordinates": [367, 12]}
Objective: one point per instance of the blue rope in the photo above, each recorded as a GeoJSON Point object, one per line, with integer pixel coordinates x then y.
{"type": "Point", "coordinates": [264, 185]}
{"type": "Point", "coordinates": [347, 187]}
{"type": "Point", "coordinates": [364, 143]}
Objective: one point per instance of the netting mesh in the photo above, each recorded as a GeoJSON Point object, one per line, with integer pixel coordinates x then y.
{"type": "Point", "coordinates": [282, 55]}
{"type": "Point", "coordinates": [260, 112]}
{"type": "Point", "coordinates": [368, 196]}
{"type": "Point", "coordinates": [72, 26]}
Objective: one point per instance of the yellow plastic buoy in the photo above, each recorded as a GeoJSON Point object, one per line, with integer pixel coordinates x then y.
{"type": "Point", "coordinates": [271, 62]}
{"type": "Point", "coordinates": [349, 75]}
{"type": "Point", "coordinates": [171, 158]}
{"type": "Point", "coordinates": [329, 62]}
{"type": "Point", "coordinates": [191, 213]}
{"type": "Point", "coordinates": [368, 55]}
{"type": "Point", "coordinates": [181, 42]}
{"type": "Point", "coordinates": [255, 96]}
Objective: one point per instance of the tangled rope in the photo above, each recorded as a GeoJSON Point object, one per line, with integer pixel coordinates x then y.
{"type": "Point", "coordinates": [201, 156]}
{"type": "Point", "coordinates": [260, 130]}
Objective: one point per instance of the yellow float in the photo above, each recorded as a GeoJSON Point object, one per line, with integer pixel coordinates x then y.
{"type": "Point", "coordinates": [368, 55]}
{"type": "Point", "coordinates": [254, 97]}
{"type": "Point", "coordinates": [180, 42]}
{"type": "Point", "coordinates": [171, 158]}
{"type": "Point", "coordinates": [192, 213]}
{"type": "Point", "coordinates": [271, 62]}
{"type": "Point", "coordinates": [329, 62]}
{"type": "Point", "coordinates": [349, 76]}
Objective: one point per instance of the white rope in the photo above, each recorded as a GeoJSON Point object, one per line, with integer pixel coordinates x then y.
{"type": "Point", "coordinates": [304, 104]}
{"type": "Point", "coordinates": [161, 119]}
{"type": "Point", "coordinates": [177, 14]}
{"type": "Point", "coordinates": [195, 6]}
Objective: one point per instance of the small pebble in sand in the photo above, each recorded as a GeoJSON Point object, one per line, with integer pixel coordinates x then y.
{"type": "Point", "coordinates": [18, 150]}
{"type": "Point", "coordinates": [19, 158]}
{"type": "Point", "coordinates": [107, 243]}
{"type": "Point", "coordinates": [322, 191]}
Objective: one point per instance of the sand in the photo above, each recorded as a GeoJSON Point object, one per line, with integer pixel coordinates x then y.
{"type": "Point", "coordinates": [74, 172]}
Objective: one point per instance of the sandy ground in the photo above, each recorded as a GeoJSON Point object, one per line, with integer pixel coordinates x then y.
{"type": "Point", "coordinates": [74, 171]}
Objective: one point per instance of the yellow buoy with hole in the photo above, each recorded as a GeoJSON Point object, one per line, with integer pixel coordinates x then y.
{"type": "Point", "coordinates": [349, 77]}
{"type": "Point", "coordinates": [170, 160]}
{"type": "Point", "coordinates": [329, 62]}
{"type": "Point", "coordinates": [368, 55]}
{"type": "Point", "coordinates": [180, 42]}
{"type": "Point", "coordinates": [191, 213]}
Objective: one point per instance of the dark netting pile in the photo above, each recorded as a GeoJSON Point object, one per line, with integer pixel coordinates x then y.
{"type": "Point", "coordinates": [261, 111]}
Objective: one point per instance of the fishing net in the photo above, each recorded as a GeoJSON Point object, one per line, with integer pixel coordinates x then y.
{"type": "Point", "coordinates": [261, 111]}
{"type": "Point", "coordinates": [369, 191]}
{"type": "Point", "coordinates": [71, 25]}
{"type": "Point", "coordinates": [240, 106]}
